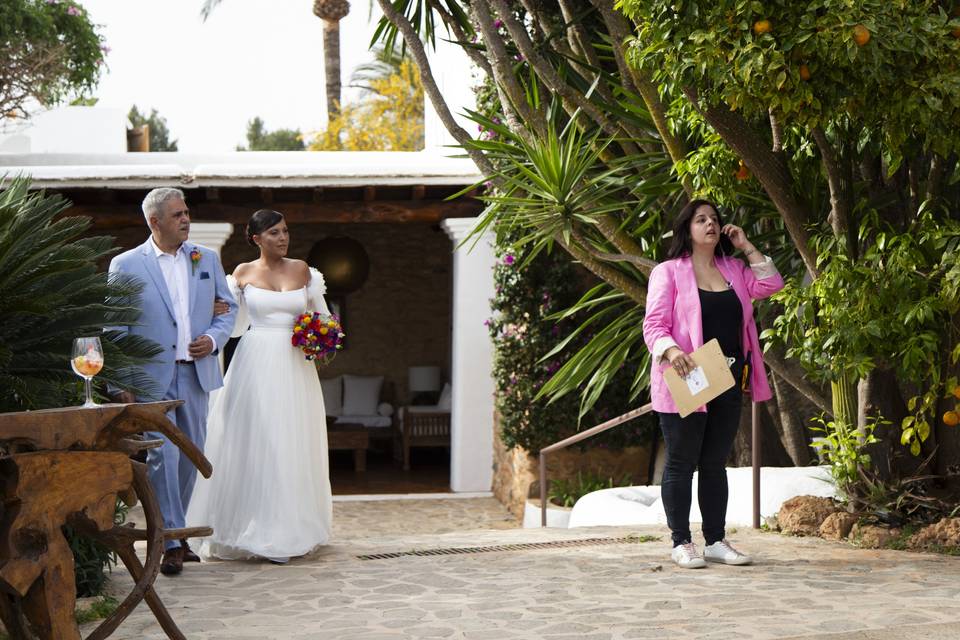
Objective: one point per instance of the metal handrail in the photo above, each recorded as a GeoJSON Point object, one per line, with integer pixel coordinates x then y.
{"type": "Point", "coordinates": [636, 413]}
{"type": "Point", "coordinates": [583, 435]}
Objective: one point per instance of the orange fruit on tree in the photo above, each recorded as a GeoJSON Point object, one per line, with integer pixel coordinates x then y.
{"type": "Point", "coordinates": [761, 27]}
{"type": "Point", "coordinates": [804, 72]}
{"type": "Point", "coordinates": [742, 172]}
{"type": "Point", "coordinates": [861, 35]}
{"type": "Point", "coordinates": [951, 418]}
{"type": "Point", "coordinates": [956, 392]}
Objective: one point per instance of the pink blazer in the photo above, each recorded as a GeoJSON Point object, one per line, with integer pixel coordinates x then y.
{"type": "Point", "coordinates": [673, 318]}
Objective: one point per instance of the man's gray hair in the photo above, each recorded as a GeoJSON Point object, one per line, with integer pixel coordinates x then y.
{"type": "Point", "coordinates": [153, 202]}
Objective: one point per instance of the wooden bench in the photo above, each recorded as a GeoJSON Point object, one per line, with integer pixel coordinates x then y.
{"type": "Point", "coordinates": [424, 429]}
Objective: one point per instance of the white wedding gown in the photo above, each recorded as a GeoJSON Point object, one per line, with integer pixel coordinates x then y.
{"type": "Point", "coordinates": [269, 495]}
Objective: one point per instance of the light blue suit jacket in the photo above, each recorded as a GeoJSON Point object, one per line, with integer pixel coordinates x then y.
{"type": "Point", "coordinates": [157, 319]}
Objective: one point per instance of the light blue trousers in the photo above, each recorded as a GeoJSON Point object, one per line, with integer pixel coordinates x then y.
{"type": "Point", "coordinates": [170, 471]}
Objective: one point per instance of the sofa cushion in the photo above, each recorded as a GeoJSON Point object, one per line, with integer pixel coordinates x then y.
{"type": "Point", "coordinates": [332, 395]}
{"type": "Point", "coordinates": [445, 402]}
{"type": "Point", "coordinates": [361, 395]}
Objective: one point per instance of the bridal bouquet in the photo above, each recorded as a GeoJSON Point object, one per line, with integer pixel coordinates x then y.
{"type": "Point", "coordinates": [318, 336]}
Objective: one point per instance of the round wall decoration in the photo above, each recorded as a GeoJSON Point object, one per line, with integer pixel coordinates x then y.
{"type": "Point", "coordinates": [343, 262]}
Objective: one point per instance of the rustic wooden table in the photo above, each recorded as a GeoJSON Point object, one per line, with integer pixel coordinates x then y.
{"type": "Point", "coordinates": [68, 467]}
{"type": "Point", "coordinates": [350, 436]}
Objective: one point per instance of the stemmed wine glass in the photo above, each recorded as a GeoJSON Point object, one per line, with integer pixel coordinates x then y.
{"type": "Point", "coordinates": [87, 360]}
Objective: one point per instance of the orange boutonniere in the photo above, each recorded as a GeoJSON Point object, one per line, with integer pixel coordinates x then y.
{"type": "Point", "coordinates": [195, 260]}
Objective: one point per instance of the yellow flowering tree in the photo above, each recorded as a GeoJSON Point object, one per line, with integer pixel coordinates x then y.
{"type": "Point", "coordinates": [389, 117]}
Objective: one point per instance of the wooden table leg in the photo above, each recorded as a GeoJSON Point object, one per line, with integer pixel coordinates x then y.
{"type": "Point", "coordinates": [142, 575]}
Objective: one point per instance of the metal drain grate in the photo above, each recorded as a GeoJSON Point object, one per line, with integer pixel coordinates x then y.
{"type": "Point", "coordinates": [526, 546]}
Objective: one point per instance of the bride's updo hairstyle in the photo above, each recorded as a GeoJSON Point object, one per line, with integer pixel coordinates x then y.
{"type": "Point", "coordinates": [260, 221]}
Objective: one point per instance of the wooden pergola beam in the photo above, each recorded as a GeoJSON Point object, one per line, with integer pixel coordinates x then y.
{"type": "Point", "coordinates": [396, 211]}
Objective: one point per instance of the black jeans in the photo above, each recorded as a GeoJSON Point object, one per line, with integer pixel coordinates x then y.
{"type": "Point", "coordinates": [701, 441]}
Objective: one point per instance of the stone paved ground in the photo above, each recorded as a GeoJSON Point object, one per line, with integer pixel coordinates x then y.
{"type": "Point", "coordinates": [798, 587]}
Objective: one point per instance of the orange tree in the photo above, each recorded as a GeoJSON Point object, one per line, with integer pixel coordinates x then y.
{"type": "Point", "coordinates": [865, 94]}
{"type": "Point", "coordinates": [826, 126]}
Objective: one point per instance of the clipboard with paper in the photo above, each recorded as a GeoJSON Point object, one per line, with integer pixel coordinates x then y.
{"type": "Point", "coordinates": [711, 378]}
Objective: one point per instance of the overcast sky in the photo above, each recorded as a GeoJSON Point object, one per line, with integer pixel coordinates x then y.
{"type": "Point", "coordinates": [251, 58]}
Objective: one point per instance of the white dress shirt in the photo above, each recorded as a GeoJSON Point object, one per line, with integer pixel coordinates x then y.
{"type": "Point", "coordinates": [176, 274]}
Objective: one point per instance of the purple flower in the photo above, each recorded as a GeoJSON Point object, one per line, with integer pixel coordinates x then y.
{"type": "Point", "coordinates": [555, 330]}
{"type": "Point", "coordinates": [105, 49]}
{"type": "Point", "coordinates": [73, 11]}
{"type": "Point", "coordinates": [518, 57]}
{"type": "Point", "coordinates": [513, 379]}
{"type": "Point", "coordinates": [53, 1]}
{"type": "Point", "coordinates": [497, 23]}
{"type": "Point", "coordinates": [508, 259]}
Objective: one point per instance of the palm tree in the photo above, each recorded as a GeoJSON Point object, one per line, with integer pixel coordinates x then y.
{"type": "Point", "coordinates": [386, 63]}
{"type": "Point", "coordinates": [331, 12]}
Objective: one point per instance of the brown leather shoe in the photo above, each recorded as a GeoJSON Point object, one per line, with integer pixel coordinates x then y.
{"type": "Point", "coordinates": [188, 554]}
{"type": "Point", "coordinates": [172, 563]}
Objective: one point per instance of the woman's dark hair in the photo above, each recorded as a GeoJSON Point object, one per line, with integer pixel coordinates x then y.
{"type": "Point", "coordinates": [682, 245]}
{"type": "Point", "coordinates": [260, 221]}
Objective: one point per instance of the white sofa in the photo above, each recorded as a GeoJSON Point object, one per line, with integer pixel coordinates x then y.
{"type": "Point", "coordinates": [357, 400]}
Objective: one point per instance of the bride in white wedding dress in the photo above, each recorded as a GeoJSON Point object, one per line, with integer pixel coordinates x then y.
{"type": "Point", "coordinates": [269, 495]}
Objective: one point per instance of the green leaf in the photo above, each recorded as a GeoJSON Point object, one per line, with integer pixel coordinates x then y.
{"type": "Point", "coordinates": [906, 436]}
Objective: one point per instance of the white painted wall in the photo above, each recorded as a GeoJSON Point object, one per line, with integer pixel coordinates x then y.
{"type": "Point", "coordinates": [471, 446]}
{"type": "Point", "coordinates": [67, 130]}
{"type": "Point", "coordinates": [212, 235]}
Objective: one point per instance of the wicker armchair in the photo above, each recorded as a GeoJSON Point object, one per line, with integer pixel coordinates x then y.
{"type": "Point", "coordinates": [423, 427]}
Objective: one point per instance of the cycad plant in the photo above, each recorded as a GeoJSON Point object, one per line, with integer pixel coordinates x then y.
{"type": "Point", "coordinates": [52, 291]}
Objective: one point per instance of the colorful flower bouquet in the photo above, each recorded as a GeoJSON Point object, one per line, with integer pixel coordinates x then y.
{"type": "Point", "coordinates": [319, 336]}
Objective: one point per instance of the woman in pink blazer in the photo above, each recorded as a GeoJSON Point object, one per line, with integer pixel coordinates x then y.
{"type": "Point", "coordinates": [700, 293]}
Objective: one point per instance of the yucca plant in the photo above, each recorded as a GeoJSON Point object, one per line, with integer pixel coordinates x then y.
{"type": "Point", "coordinates": [585, 152]}
{"type": "Point", "coordinates": [52, 291]}
{"type": "Point", "coordinates": [558, 189]}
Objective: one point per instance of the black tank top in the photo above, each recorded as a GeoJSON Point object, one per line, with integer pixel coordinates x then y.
{"type": "Point", "coordinates": [722, 317]}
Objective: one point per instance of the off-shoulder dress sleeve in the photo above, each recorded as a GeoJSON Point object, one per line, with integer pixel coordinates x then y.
{"type": "Point", "coordinates": [315, 290]}
{"type": "Point", "coordinates": [242, 323]}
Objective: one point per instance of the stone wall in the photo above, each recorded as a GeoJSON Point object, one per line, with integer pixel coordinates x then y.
{"type": "Point", "coordinates": [399, 318]}
{"type": "Point", "coordinates": [516, 471]}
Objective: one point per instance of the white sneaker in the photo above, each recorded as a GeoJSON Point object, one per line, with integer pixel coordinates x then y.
{"type": "Point", "coordinates": [724, 553]}
{"type": "Point", "coordinates": [686, 556]}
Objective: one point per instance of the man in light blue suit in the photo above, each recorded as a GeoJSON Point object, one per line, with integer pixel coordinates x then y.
{"type": "Point", "coordinates": [181, 283]}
